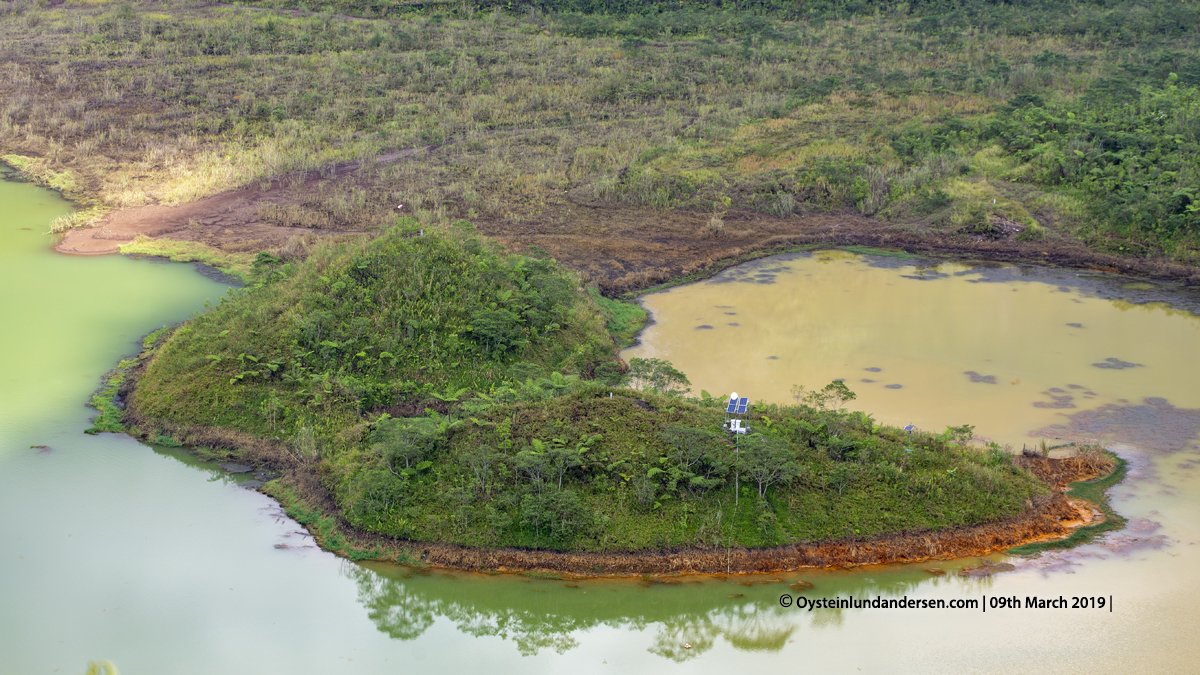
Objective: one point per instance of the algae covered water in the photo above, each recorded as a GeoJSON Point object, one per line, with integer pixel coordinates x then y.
{"type": "Point", "coordinates": [111, 549]}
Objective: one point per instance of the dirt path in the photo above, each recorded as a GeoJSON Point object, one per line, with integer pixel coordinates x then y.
{"type": "Point", "coordinates": [624, 248]}
{"type": "Point", "coordinates": [620, 247]}
{"type": "Point", "coordinates": [228, 221]}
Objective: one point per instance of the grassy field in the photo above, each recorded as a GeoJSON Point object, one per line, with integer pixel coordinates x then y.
{"type": "Point", "coordinates": [989, 119]}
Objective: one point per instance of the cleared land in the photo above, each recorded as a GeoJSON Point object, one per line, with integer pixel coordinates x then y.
{"type": "Point", "coordinates": [635, 146]}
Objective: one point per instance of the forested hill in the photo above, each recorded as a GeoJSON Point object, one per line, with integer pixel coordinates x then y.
{"type": "Point", "coordinates": [405, 317]}
{"type": "Point", "coordinates": [440, 391]}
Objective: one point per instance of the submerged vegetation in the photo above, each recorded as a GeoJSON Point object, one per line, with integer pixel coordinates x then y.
{"type": "Point", "coordinates": [440, 390]}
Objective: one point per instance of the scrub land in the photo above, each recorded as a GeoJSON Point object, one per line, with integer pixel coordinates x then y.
{"type": "Point", "coordinates": [636, 142]}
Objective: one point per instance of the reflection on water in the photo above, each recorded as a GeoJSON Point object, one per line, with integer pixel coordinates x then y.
{"type": "Point", "coordinates": [687, 616]}
{"type": "Point", "coordinates": [1155, 425]}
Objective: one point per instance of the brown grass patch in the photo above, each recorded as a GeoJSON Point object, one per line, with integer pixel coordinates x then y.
{"type": "Point", "coordinates": [1086, 464]}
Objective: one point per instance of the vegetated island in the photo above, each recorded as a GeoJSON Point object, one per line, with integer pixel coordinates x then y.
{"type": "Point", "coordinates": [425, 397]}
{"type": "Point", "coordinates": [637, 141]}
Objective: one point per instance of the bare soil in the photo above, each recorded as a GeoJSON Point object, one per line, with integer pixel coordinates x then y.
{"type": "Point", "coordinates": [229, 221]}
{"type": "Point", "coordinates": [620, 247]}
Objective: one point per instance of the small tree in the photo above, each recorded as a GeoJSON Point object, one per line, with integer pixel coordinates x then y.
{"type": "Point", "coordinates": [407, 441]}
{"type": "Point", "coordinates": [560, 511]}
{"type": "Point", "coordinates": [460, 501]}
{"type": "Point", "coordinates": [699, 463]}
{"type": "Point", "coordinates": [533, 464]}
{"type": "Point", "coordinates": [842, 476]}
{"type": "Point", "coordinates": [659, 375]}
{"type": "Point", "coordinates": [570, 515]}
{"type": "Point", "coordinates": [497, 330]}
{"type": "Point", "coordinates": [562, 459]}
{"type": "Point", "coordinates": [960, 434]}
{"type": "Point", "coordinates": [481, 460]}
{"type": "Point", "coordinates": [768, 461]}
{"type": "Point", "coordinates": [831, 397]}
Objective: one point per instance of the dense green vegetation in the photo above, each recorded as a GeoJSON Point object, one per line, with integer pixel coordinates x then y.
{"type": "Point", "coordinates": [638, 470]}
{"type": "Point", "coordinates": [1134, 153]}
{"type": "Point", "coordinates": [446, 392]}
{"type": "Point", "coordinates": [363, 326]}
{"type": "Point", "coordinates": [1061, 119]}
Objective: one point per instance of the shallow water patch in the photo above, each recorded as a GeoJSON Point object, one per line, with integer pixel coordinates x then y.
{"type": "Point", "coordinates": [1154, 425]}
{"type": "Point", "coordinates": [1019, 330]}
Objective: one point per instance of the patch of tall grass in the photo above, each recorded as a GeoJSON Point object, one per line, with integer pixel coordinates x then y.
{"type": "Point", "coordinates": [239, 265]}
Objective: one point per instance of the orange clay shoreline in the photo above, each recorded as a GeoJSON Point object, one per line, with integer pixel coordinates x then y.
{"type": "Point", "coordinates": [300, 489]}
{"type": "Point", "coordinates": [1051, 518]}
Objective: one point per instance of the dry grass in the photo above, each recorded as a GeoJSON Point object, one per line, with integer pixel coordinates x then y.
{"type": "Point", "coordinates": [1085, 464]}
{"type": "Point", "coordinates": [165, 103]}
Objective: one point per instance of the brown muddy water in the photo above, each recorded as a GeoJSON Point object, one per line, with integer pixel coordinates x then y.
{"type": "Point", "coordinates": [1026, 355]}
{"type": "Point", "coordinates": [111, 549]}
{"type": "Point", "coordinates": [1015, 351]}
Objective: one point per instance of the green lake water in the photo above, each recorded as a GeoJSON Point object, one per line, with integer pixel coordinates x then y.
{"type": "Point", "coordinates": [111, 549]}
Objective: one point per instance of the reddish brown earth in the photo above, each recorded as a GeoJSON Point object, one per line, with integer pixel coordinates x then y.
{"type": "Point", "coordinates": [619, 247]}
{"type": "Point", "coordinates": [228, 221]}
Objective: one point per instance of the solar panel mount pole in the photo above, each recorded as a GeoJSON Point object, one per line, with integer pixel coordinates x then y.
{"type": "Point", "coordinates": [737, 486]}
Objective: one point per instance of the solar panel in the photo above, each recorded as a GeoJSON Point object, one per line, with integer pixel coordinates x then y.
{"type": "Point", "coordinates": [742, 405]}
{"type": "Point", "coordinates": [732, 405]}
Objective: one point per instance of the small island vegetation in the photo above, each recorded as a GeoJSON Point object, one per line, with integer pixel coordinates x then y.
{"type": "Point", "coordinates": [425, 386]}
